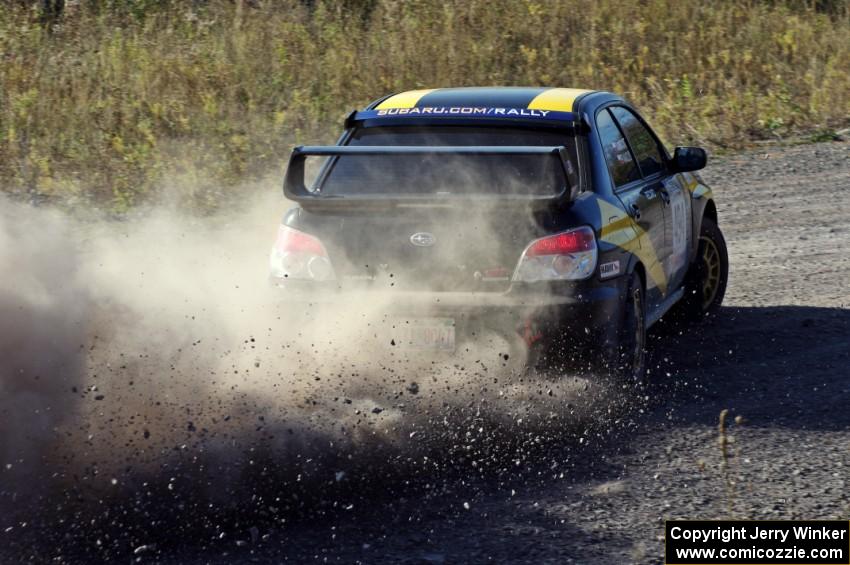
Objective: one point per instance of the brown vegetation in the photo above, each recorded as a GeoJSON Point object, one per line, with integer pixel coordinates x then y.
{"type": "Point", "coordinates": [109, 101]}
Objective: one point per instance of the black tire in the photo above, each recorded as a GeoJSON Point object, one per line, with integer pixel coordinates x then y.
{"type": "Point", "coordinates": [626, 359]}
{"type": "Point", "coordinates": [705, 282]}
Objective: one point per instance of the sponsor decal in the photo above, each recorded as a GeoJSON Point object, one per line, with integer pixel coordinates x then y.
{"type": "Point", "coordinates": [463, 111]}
{"type": "Point", "coordinates": [608, 270]}
{"type": "Point", "coordinates": [466, 112]}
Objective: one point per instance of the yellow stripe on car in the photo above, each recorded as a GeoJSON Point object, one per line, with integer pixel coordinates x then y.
{"type": "Point", "coordinates": [557, 99]}
{"type": "Point", "coordinates": [701, 191]}
{"type": "Point", "coordinates": [618, 228]}
{"type": "Point", "coordinates": [404, 99]}
{"type": "Point", "coordinates": [697, 189]}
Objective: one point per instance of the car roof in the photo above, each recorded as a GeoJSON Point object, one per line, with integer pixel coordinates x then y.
{"type": "Point", "coordinates": [531, 98]}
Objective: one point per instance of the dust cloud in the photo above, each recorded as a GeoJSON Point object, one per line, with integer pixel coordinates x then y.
{"type": "Point", "coordinates": [149, 359]}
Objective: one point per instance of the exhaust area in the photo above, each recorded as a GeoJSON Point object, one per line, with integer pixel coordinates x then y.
{"type": "Point", "coordinates": [150, 374]}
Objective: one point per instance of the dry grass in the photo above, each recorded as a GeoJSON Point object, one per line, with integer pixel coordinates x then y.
{"type": "Point", "coordinates": [118, 102]}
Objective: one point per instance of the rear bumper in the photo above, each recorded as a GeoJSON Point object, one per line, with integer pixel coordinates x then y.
{"type": "Point", "coordinates": [590, 309]}
{"type": "Point", "coordinates": [431, 301]}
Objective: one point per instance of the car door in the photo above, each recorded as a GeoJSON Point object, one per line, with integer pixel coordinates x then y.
{"type": "Point", "coordinates": [642, 199]}
{"type": "Point", "coordinates": [651, 160]}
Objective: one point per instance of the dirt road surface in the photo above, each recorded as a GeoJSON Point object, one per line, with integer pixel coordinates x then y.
{"type": "Point", "coordinates": [777, 358]}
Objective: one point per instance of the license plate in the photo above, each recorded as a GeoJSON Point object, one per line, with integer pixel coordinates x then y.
{"type": "Point", "coordinates": [426, 333]}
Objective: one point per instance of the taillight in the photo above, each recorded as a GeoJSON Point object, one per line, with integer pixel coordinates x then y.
{"type": "Point", "coordinates": [300, 256]}
{"type": "Point", "coordinates": [565, 256]}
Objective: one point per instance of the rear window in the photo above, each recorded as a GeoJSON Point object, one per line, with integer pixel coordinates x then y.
{"type": "Point", "coordinates": [537, 175]}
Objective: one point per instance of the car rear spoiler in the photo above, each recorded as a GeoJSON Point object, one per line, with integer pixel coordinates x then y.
{"type": "Point", "coordinates": [295, 189]}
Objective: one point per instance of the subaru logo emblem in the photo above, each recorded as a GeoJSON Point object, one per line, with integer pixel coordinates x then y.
{"type": "Point", "coordinates": [423, 239]}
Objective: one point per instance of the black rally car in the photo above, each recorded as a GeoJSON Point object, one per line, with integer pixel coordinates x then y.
{"type": "Point", "coordinates": [552, 215]}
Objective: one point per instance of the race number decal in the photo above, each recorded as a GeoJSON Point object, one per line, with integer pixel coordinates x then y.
{"type": "Point", "coordinates": [679, 213]}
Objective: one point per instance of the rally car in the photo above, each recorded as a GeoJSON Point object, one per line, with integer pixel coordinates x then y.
{"type": "Point", "coordinates": [555, 216]}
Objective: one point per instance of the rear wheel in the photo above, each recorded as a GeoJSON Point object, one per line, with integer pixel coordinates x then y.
{"type": "Point", "coordinates": [626, 359]}
{"type": "Point", "coordinates": [705, 283]}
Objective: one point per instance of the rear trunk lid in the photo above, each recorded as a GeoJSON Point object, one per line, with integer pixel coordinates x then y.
{"type": "Point", "coordinates": [447, 249]}
{"type": "Point", "coordinates": [442, 209]}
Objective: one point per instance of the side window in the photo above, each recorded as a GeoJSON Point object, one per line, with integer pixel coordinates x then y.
{"type": "Point", "coordinates": [617, 155]}
{"type": "Point", "coordinates": [643, 144]}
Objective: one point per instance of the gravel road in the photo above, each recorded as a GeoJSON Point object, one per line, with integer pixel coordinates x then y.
{"type": "Point", "coordinates": [777, 358]}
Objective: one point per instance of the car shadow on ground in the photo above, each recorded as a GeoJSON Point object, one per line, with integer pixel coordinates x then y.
{"type": "Point", "coordinates": [779, 365]}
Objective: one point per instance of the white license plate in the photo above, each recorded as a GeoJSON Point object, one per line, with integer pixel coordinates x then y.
{"type": "Point", "coordinates": [426, 333]}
